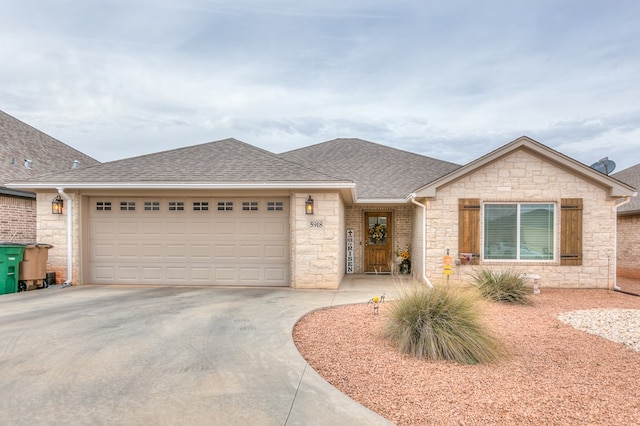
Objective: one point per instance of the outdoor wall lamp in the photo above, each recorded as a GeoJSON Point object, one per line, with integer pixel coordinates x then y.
{"type": "Point", "coordinates": [56, 205]}
{"type": "Point", "coordinates": [308, 205]}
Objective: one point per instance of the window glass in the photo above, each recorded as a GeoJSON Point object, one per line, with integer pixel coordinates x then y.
{"type": "Point", "coordinates": [127, 205]}
{"type": "Point", "coordinates": [225, 205]}
{"type": "Point", "coordinates": [536, 232]}
{"type": "Point", "coordinates": [153, 206]}
{"type": "Point", "coordinates": [103, 205]}
{"type": "Point", "coordinates": [176, 206]}
{"type": "Point", "coordinates": [201, 206]}
{"type": "Point", "coordinates": [518, 231]}
{"type": "Point", "coordinates": [250, 205]}
{"type": "Point", "coordinates": [500, 229]}
{"type": "Point", "coordinates": [275, 206]}
{"type": "Point", "coordinates": [377, 230]}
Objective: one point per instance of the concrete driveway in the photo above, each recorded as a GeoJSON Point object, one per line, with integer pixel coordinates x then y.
{"type": "Point", "coordinates": [167, 356]}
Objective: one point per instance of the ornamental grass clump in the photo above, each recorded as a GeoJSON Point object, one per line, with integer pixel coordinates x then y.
{"type": "Point", "coordinates": [442, 323]}
{"type": "Point", "coordinates": [502, 286]}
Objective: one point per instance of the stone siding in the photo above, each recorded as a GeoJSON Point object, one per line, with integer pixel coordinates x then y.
{"type": "Point", "coordinates": [318, 241]}
{"type": "Point", "coordinates": [417, 243]}
{"type": "Point", "coordinates": [52, 229]}
{"type": "Point", "coordinates": [629, 246]}
{"type": "Point", "coordinates": [523, 177]}
{"type": "Point", "coordinates": [18, 220]}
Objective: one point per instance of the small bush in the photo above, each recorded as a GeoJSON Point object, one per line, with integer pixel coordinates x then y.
{"type": "Point", "coordinates": [442, 323]}
{"type": "Point", "coordinates": [502, 286]}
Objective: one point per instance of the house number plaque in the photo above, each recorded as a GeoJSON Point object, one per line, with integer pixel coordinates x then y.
{"type": "Point", "coordinates": [316, 224]}
{"type": "Point", "coordinates": [349, 251]}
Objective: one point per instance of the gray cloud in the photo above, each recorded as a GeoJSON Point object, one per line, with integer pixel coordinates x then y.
{"type": "Point", "coordinates": [451, 80]}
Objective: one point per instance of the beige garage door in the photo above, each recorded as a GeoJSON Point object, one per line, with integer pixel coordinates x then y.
{"type": "Point", "coordinates": [201, 241]}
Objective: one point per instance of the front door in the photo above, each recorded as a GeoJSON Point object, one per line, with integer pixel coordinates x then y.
{"type": "Point", "coordinates": [377, 250]}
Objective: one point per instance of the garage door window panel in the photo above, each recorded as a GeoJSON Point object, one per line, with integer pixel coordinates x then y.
{"type": "Point", "coordinates": [275, 206]}
{"type": "Point", "coordinates": [225, 206]}
{"type": "Point", "coordinates": [103, 206]}
{"type": "Point", "coordinates": [176, 206]}
{"type": "Point", "coordinates": [127, 206]}
{"type": "Point", "coordinates": [152, 206]}
{"type": "Point", "coordinates": [200, 206]}
{"type": "Point", "coordinates": [250, 206]}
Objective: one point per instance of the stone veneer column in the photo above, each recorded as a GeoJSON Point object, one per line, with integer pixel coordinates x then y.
{"type": "Point", "coordinates": [317, 241]}
{"type": "Point", "coordinates": [52, 229]}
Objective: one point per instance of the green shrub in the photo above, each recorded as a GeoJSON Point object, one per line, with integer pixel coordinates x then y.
{"type": "Point", "coordinates": [442, 323]}
{"type": "Point", "coordinates": [502, 286]}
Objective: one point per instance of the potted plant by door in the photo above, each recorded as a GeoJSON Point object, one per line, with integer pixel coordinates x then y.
{"type": "Point", "coordinates": [404, 255]}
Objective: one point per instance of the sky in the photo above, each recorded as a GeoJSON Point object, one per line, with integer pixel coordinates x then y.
{"type": "Point", "coordinates": [451, 79]}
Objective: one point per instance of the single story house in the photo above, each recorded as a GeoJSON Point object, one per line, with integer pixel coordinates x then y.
{"type": "Point", "coordinates": [229, 213]}
{"type": "Point", "coordinates": [628, 245]}
{"type": "Point", "coordinates": [26, 152]}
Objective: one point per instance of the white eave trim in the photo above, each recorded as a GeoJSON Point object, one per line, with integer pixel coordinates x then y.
{"type": "Point", "coordinates": [382, 201]}
{"type": "Point", "coordinates": [187, 185]}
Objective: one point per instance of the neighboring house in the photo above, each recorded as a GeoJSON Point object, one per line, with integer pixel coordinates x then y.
{"type": "Point", "coordinates": [25, 153]}
{"type": "Point", "coordinates": [628, 255]}
{"type": "Point", "coordinates": [228, 213]}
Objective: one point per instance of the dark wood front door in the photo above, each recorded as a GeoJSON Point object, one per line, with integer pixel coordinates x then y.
{"type": "Point", "coordinates": [377, 248]}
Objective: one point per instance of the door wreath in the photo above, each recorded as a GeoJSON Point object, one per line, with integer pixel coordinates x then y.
{"type": "Point", "coordinates": [377, 232]}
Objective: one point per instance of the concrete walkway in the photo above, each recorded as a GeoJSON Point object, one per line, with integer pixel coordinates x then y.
{"type": "Point", "coordinates": [165, 356]}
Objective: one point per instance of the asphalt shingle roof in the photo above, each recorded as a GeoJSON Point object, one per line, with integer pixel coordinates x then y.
{"type": "Point", "coordinates": [380, 172]}
{"type": "Point", "coordinates": [19, 142]}
{"type": "Point", "coordinates": [630, 176]}
{"type": "Point", "coordinates": [227, 160]}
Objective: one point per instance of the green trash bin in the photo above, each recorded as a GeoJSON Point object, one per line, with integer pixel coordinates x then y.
{"type": "Point", "coordinates": [10, 258]}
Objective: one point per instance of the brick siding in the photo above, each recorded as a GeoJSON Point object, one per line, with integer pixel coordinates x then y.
{"type": "Point", "coordinates": [629, 246]}
{"type": "Point", "coordinates": [401, 219]}
{"type": "Point", "coordinates": [18, 219]}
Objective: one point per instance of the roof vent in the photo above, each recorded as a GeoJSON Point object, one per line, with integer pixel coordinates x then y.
{"type": "Point", "coordinates": [13, 161]}
{"type": "Point", "coordinates": [75, 164]}
{"type": "Point", "coordinates": [27, 164]}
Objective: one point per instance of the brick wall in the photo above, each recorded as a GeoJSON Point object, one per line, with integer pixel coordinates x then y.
{"type": "Point", "coordinates": [521, 177]}
{"type": "Point", "coordinates": [629, 246]}
{"type": "Point", "coordinates": [18, 219]}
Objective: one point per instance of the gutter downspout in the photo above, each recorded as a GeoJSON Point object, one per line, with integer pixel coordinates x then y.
{"type": "Point", "coordinates": [615, 240]}
{"type": "Point", "coordinates": [69, 205]}
{"type": "Point", "coordinates": [424, 240]}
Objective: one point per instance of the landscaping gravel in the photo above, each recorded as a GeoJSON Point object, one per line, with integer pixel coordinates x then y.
{"type": "Point", "coordinates": [556, 373]}
{"type": "Point", "coordinates": [619, 325]}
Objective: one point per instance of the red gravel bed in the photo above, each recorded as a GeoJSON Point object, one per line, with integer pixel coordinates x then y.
{"type": "Point", "coordinates": [554, 375]}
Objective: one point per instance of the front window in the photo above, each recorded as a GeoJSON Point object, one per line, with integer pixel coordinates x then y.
{"type": "Point", "coordinates": [518, 231]}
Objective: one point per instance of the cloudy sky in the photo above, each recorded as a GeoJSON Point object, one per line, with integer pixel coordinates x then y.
{"type": "Point", "coordinates": [449, 79]}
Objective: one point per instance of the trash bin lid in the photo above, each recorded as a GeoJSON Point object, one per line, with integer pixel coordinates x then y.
{"type": "Point", "coordinates": [27, 245]}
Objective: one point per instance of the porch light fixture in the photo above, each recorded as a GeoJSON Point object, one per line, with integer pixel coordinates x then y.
{"type": "Point", "coordinates": [56, 205]}
{"type": "Point", "coordinates": [308, 205]}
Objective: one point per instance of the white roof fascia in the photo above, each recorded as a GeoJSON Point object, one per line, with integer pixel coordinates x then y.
{"type": "Point", "coordinates": [381, 201]}
{"type": "Point", "coordinates": [186, 185]}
